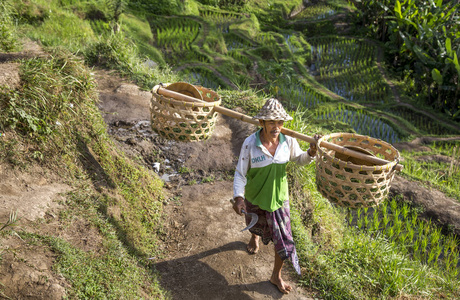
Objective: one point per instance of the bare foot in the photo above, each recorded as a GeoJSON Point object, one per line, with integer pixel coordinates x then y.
{"type": "Point", "coordinates": [253, 245]}
{"type": "Point", "coordinates": [282, 286]}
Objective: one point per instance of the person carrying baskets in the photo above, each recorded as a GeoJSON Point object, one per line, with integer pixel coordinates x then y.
{"type": "Point", "coordinates": [260, 186]}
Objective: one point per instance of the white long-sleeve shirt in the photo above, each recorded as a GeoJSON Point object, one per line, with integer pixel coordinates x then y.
{"type": "Point", "coordinates": [261, 177]}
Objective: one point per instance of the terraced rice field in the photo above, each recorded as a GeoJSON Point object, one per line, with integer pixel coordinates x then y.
{"type": "Point", "coordinates": [347, 67]}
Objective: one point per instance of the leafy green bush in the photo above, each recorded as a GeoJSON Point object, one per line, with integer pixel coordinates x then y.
{"type": "Point", "coordinates": [422, 38]}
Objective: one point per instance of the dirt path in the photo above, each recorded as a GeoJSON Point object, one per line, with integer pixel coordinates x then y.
{"type": "Point", "coordinates": [207, 257]}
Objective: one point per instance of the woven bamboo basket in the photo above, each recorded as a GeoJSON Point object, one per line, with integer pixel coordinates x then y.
{"type": "Point", "coordinates": [182, 120]}
{"type": "Point", "coordinates": [351, 182]}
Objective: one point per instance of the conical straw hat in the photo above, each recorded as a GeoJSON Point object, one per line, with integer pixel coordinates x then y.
{"type": "Point", "coordinates": [273, 110]}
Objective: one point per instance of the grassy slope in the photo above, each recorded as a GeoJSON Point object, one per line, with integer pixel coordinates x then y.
{"type": "Point", "coordinates": [331, 259]}
{"type": "Point", "coordinates": [61, 129]}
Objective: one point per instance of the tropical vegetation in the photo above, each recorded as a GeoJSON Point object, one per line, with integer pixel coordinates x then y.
{"type": "Point", "coordinates": [392, 73]}
{"type": "Point", "coordinates": [422, 39]}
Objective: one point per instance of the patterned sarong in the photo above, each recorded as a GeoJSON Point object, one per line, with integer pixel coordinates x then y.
{"type": "Point", "coordinates": [275, 226]}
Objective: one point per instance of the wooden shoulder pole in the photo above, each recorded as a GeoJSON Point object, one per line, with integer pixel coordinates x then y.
{"type": "Point", "coordinates": [300, 136]}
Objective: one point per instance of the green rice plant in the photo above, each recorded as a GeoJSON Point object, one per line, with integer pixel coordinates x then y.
{"type": "Point", "coordinates": [298, 47]}
{"type": "Point", "coordinates": [175, 34]}
{"type": "Point", "coordinates": [385, 219]}
{"type": "Point", "coordinates": [403, 238]}
{"type": "Point", "coordinates": [390, 232]}
{"type": "Point", "coordinates": [234, 42]}
{"type": "Point", "coordinates": [416, 250]}
{"type": "Point", "coordinates": [435, 252]}
{"type": "Point", "coordinates": [194, 55]}
{"type": "Point", "coordinates": [368, 267]}
{"type": "Point", "coordinates": [298, 93]}
{"type": "Point", "coordinates": [222, 20]}
{"type": "Point", "coordinates": [435, 236]}
{"type": "Point", "coordinates": [397, 224]}
{"type": "Point", "coordinates": [334, 54]}
{"type": "Point", "coordinates": [451, 254]}
{"type": "Point", "coordinates": [420, 229]}
{"type": "Point", "coordinates": [366, 218]}
{"type": "Point", "coordinates": [455, 162]}
{"type": "Point", "coordinates": [423, 246]}
{"type": "Point", "coordinates": [266, 39]}
{"type": "Point", "coordinates": [405, 210]}
{"type": "Point", "coordinates": [237, 55]}
{"type": "Point", "coordinates": [393, 205]}
{"type": "Point", "coordinates": [289, 40]}
{"type": "Point", "coordinates": [423, 122]}
{"type": "Point", "coordinates": [348, 68]}
{"type": "Point", "coordinates": [410, 232]}
{"type": "Point", "coordinates": [454, 270]}
{"type": "Point", "coordinates": [359, 220]}
{"type": "Point", "coordinates": [203, 77]}
{"type": "Point", "coordinates": [363, 85]}
{"type": "Point", "coordinates": [375, 220]}
{"type": "Point", "coordinates": [316, 12]}
{"type": "Point", "coordinates": [414, 219]}
{"type": "Point", "coordinates": [420, 239]}
{"type": "Point", "coordinates": [361, 122]}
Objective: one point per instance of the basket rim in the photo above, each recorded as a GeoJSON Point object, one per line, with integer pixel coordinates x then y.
{"type": "Point", "coordinates": [185, 103]}
{"type": "Point", "coordinates": [350, 165]}
{"type": "Point", "coordinates": [156, 96]}
{"type": "Point", "coordinates": [181, 87]}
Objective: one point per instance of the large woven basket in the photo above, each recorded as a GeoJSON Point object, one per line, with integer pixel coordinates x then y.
{"type": "Point", "coordinates": [350, 182]}
{"type": "Point", "coordinates": [181, 120]}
